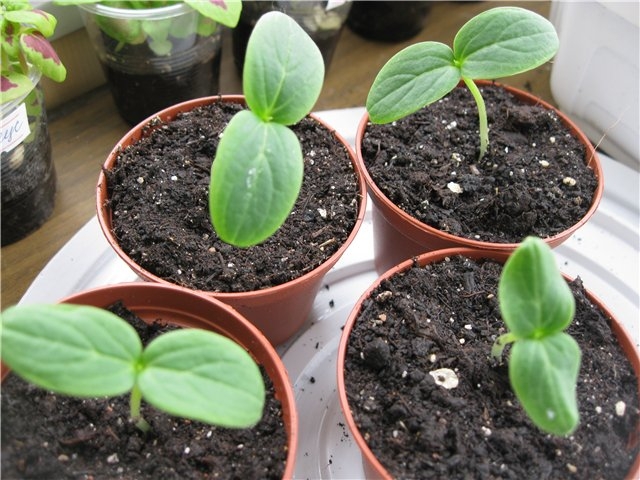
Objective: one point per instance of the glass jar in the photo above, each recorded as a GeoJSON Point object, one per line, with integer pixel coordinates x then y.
{"type": "Point", "coordinates": [28, 178]}
{"type": "Point", "coordinates": [156, 57]}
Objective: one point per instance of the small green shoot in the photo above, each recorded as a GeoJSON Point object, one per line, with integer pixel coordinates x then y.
{"type": "Point", "coordinates": [537, 306]}
{"type": "Point", "coordinates": [159, 32]}
{"type": "Point", "coordinates": [24, 32]}
{"type": "Point", "coordinates": [497, 43]}
{"type": "Point", "coordinates": [258, 169]}
{"type": "Point", "coordinates": [85, 351]}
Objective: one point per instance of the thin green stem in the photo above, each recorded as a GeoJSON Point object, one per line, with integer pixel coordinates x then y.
{"type": "Point", "coordinates": [134, 409]}
{"type": "Point", "coordinates": [501, 342]}
{"type": "Point", "coordinates": [482, 115]}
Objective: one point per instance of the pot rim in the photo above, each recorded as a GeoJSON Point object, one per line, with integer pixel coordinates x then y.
{"type": "Point", "coordinates": [167, 114]}
{"type": "Point", "coordinates": [592, 160]}
{"type": "Point", "coordinates": [158, 13]}
{"type": "Point", "coordinates": [369, 459]}
{"type": "Point", "coordinates": [203, 308]}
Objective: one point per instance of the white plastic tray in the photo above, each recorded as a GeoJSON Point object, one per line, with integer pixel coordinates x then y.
{"type": "Point", "coordinates": [605, 253]}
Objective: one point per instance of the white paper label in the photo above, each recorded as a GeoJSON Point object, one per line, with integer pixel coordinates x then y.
{"type": "Point", "coordinates": [14, 128]}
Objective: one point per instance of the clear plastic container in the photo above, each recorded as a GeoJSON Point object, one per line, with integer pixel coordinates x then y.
{"type": "Point", "coordinates": [26, 167]}
{"type": "Point", "coordinates": [154, 58]}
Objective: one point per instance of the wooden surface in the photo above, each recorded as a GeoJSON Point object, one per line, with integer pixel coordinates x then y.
{"type": "Point", "coordinates": [83, 131]}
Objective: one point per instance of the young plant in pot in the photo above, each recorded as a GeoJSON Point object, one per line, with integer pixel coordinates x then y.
{"type": "Point", "coordinates": [426, 392]}
{"type": "Point", "coordinates": [210, 215]}
{"type": "Point", "coordinates": [125, 392]}
{"type": "Point", "coordinates": [436, 180]}
{"type": "Point", "coordinates": [28, 173]}
{"type": "Point", "coordinates": [157, 53]}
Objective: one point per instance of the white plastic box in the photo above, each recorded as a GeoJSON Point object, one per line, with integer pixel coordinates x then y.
{"type": "Point", "coordinates": [594, 77]}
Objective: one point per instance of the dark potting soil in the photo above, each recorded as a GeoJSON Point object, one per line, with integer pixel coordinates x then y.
{"type": "Point", "coordinates": [446, 315]}
{"type": "Point", "coordinates": [158, 196]}
{"type": "Point", "coordinates": [143, 83]}
{"type": "Point", "coordinates": [48, 436]}
{"type": "Point", "coordinates": [532, 181]}
{"type": "Point", "coordinates": [138, 96]}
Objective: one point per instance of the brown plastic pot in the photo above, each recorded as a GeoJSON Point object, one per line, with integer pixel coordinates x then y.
{"type": "Point", "coordinates": [279, 312]}
{"type": "Point", "coordinates": [372, 467]}
{"type": "Point", "coordinates": [398, 236]}
{"type": "Point", "coordinates": [172, 305]}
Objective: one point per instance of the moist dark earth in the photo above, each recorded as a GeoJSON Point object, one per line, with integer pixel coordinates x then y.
{"type": "Point", "coordinates": [533, 180]}
{"type": "Point", "coordinates": [446, 315]}
{"type": "Point", "coordinates": [47, 436]}
{"type": "Point", "coordinates": [158, 193]}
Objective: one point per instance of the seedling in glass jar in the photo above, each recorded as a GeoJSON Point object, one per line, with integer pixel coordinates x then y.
{"type": "Point", "coordinates": [88, 352]}
{"type": "Point", "coordinates": [258, 169]}
{"type": "Point", "coordinates": [158, 33]}
{"type": "Point", "coordinates": [537, 306]}
{"type": "Point", "coordinates": [497, 43]}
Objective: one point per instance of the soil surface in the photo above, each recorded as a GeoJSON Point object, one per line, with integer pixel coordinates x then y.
{"type": "Point", "coordinates": [47, 436]}
{"type": "Point", "coordinates": [532, 181]}
{"type": "Point", "coordinates": [159, 197]}
{"type": "Point", "coordinates": [446, 315]}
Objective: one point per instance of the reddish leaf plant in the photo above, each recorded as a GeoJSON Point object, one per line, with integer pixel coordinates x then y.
{"type": "Point", "coordinates": [25, 47]}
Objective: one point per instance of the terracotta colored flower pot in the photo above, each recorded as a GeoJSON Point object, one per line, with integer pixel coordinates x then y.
{"type": "Point", "coordinates": [372, 466]}
{"type": "Point", "coordinates": [151, 301]}
{"type": "Point", "coordinates": [279, 312]}
{"type": "Point", "coordinates": [398, 235]}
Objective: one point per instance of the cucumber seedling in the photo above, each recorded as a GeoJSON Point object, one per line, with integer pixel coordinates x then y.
{"type": "Point", "coordinates": [497, 43]}
{"type": "Point", "coordinates": [88, 352]}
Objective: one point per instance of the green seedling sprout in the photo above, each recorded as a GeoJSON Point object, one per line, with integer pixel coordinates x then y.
{"type": "Point", "coordinates": [156, 32]}
{"type": "Point", "coordinates": [88, 352]}
{"type": "Point", "coordinates": [537, 306]}
{"type": "Point", "coordinates": [24, 32]}
{"type": "Point", "coordinates": [497, 43]}
{"type": "Point", "coordinates": [258, 169]}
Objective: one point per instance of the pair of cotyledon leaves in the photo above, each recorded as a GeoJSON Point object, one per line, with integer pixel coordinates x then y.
{"type": "Point", "coordinates": [257, 172]}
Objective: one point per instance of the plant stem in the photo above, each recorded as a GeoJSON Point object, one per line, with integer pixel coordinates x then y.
{"type": "Point", "coordinates": [501, 342]}
{"type": "Point", "coordinates": [482, 115]}
{"type": "Point", "coordinates": [134, 411]}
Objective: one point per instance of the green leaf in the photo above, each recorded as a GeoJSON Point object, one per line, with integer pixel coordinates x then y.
{"type": "Point", "coordinates": [203, 376]}
{"type": "Point", "coordinates": [283, 70]}
{"type": "Point", "coordinates": [14, 85]}
{"type": "Point", "coordinates": [122, 30]}
{"type": "Point", "coordinates": [38, 20]}
{"type": "Point", "coordinates": [75, 350]}
{"type": "Point", "coordinates": [504, 41]}
{"type": "Point", "coordinates": [41, 54]}
{"type": "Point", "coordinates": [158, 33]}
{"type": "Point", "coordinates": [255, 179]}
{"type": "Point", "coordinates": [206, 27]}
{"type": "Point", "coordinates": [535, 300]}
{"type": "Point", "coordinates": [226, 12]}
{"type": "Point", "coordinates": [543, 374]}
{"type": "Point", "coordinates": [414, 77]}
